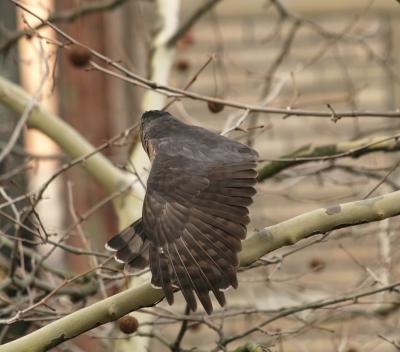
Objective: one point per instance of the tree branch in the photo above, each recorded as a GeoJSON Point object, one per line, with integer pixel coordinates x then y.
{"type": "Point", "coordinates": [112, 178]}
{"type": "Point", "coordinates": [313, 305]}
{"type": "Point", "coordinates": [259, 244]}
{"type": "Point", "coordinates": [128, 76]}
{"type": "Point", "coordinates": [319, 221]}
{"type": "Point", "coordinates": [69, 15]}
{"type": "Point", "coordinates": [353, 149]}
{"type": "Point", "coordinates": [191, 21]}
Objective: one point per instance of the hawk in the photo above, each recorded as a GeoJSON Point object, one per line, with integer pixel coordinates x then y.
{"type": "Point", "coordinates": [195, 210]}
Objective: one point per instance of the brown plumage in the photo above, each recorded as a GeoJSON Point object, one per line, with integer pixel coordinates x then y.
{"type": "Point", "coordinates": [194, 212]}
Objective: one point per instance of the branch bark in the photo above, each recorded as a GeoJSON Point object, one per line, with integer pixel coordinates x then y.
{"type": "Point", "coordinates": [72, 143]}
{"type": "Point", "coordinates": [352, 149]}
{"type": "Point", "coordinates": [259, 244]}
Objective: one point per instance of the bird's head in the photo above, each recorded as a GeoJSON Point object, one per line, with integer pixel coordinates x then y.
{"type": "Point", "coordinates": [151, 125]}
{"type": "Point", "coordinates": [152, 115]}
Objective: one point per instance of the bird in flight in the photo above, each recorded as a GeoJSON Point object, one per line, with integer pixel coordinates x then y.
{"type": "Point", "coordinates": [195, 210]}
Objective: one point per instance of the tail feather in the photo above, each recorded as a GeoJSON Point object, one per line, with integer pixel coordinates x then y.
{"type": "Point", "coordinates": [131, 246]}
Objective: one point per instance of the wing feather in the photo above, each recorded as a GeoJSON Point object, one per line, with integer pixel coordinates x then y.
{"type": "Point", "coordinates": [184, 279]}
{"type": "Point", "coordinates": [160, 270]}
{"type": "Point", "coordinates": [194, 272]}
{"type": "Point", "coordinates": [197, 217]}
{"type": "Point", "coordinates": [213, 272]}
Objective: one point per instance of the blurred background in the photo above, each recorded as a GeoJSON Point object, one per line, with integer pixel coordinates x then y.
{"type": "Point", "coordinates": [309, 55]}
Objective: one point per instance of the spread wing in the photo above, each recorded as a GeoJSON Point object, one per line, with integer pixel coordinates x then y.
{"type": "Point", "coordinates": [194, 216]}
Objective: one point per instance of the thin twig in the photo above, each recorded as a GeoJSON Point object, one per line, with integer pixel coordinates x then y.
{"type": "Point", "coordinates": [84, 8]}
{"type": "Point", "coordinates": [176, 345]}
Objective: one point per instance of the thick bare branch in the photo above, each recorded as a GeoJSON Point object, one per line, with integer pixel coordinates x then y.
{"type": "Point", "coordinates": [308, 153]}
{"type": "Point", "coordinates": [70, 140]}
{"type": "Point", "coordinates": [319, 221]}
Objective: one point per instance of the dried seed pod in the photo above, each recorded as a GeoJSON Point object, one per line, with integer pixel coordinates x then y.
{"type": "Point", "coordinates": [215, 107]}
{"type": "Point", "coordinates": [128, 324]}
{"type": "Point", "coordinates": [79, 56]}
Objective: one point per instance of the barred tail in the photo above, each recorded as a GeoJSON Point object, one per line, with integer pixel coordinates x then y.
{"type": "Point", "coordinates": [131, 246]}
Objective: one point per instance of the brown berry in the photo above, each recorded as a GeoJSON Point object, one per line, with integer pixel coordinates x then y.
{"type": "Point", "coordinates": [215, 107]}
{"type": "Point", "coordinates": [79, 56]}
{"type": "Point", "coordinates": [316, 264]}
{"type": "Point", "coordinates": [182, 65]}
{"type": "Point", "coordinates": [128, 324]}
